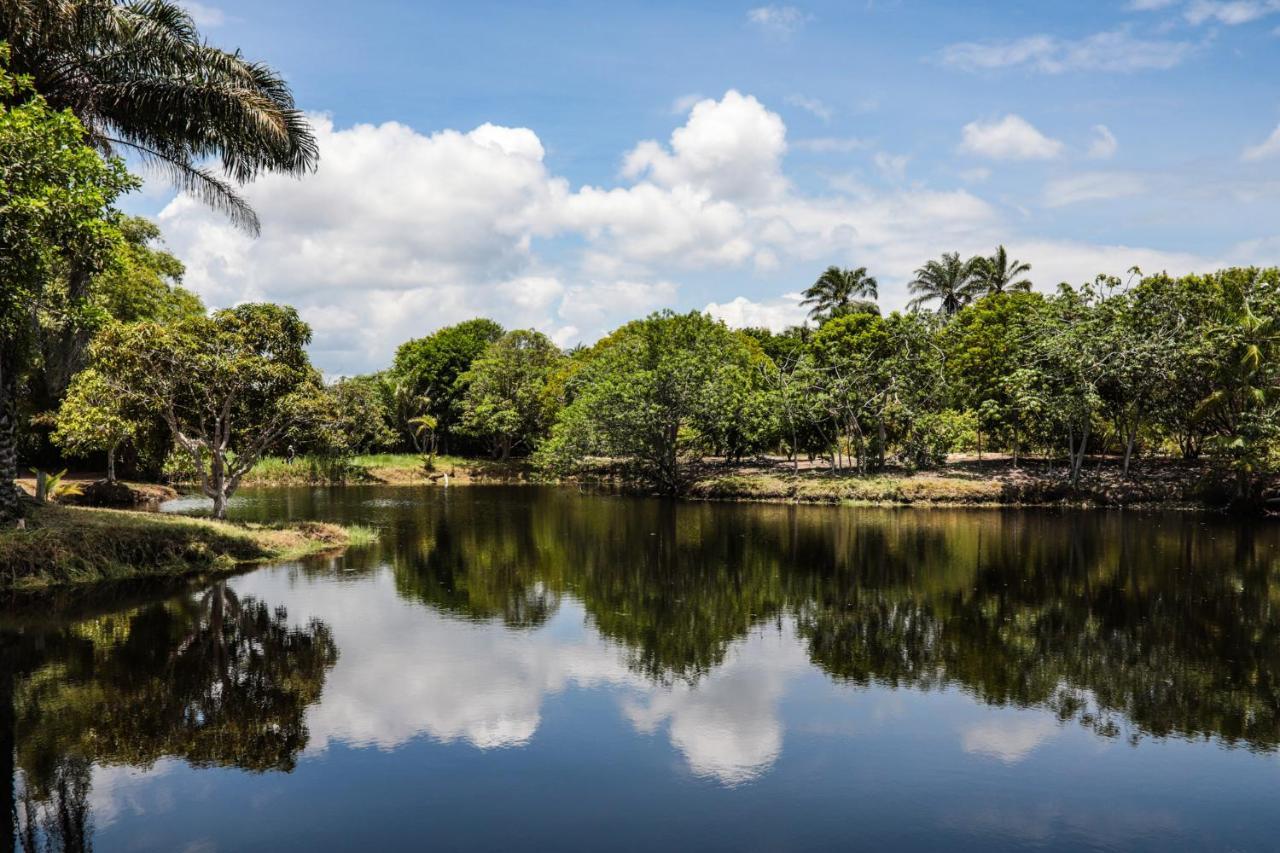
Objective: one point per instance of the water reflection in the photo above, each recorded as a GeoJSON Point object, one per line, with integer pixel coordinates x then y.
{"type": "Point", "coordinates": [737, 636]}
{"type": "Point", "coordinates": [209, 678]}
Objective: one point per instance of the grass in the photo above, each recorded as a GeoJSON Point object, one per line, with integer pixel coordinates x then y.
{"type": "Point", "coordinates": [66, 546]}
{"type": "Point", "coordinates": [359, 536]}
{"type": "Point", "coordinates": [390, 468]}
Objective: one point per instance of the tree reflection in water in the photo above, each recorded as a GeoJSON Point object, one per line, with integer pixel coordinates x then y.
{"type": "Point", "coordinates": [1168, 621]}
{"type": "Point", "coordinates": [206, 678]}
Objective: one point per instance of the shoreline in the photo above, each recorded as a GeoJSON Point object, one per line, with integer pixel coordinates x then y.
{"type": "Point", "coordinates": [993, 482]}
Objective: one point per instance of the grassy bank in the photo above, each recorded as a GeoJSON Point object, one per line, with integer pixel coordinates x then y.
{"type": "Point", "coordinates": [405, 469]}
{"type": "Point", "coordinates": [72, 545]}
{"type": "Point", "coordinates": [966, 481]}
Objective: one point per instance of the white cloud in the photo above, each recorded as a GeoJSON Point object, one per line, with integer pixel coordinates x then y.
{"type": "Point", "coordinates": [1104, 143]}
{"type": "Point", "coordinates": [1009, 138]}
{"type": "Point", "coordinates": [1092, 186]}
{"type": "Point", "coordinates": [731, 148]}
{"type": "Point", "coordinates": [777, 20]}
{"type": "Point", "coordinates": [811, 105]}
{"type": "Point", "coordinates": [1264, 150]}
{"type": "Point", "coordinates": [204, 15]}
{"type": "Point", "coordinates": [1115, 51]}
{"type": "Point", "coordinates": [1229, 12]}
{"type": "Point", "coordinates": [775, 315]}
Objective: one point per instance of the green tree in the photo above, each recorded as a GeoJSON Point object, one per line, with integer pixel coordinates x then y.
{"type": "Point", "coordinates": [987, 346]}
{"type": "Point", "coordinates": [432, 366]}
{"type": "Point", "coordinates": [852, 351]}
{"type": "Point", "coordinates": [510, 399]}
{"type": "Point", "coordinates": [140, 77]}
{"type": "Point", "coordinates": [1244, 407]}
{"type": "Point", "coordinates": [140, 281]}
{"type": "Point", "coordinates": [999, 274]}
{"type": "Point", "coordinates": [949, 281]}
{"type": "Point", "coordinates": [653, 394]}
{"type": "Point", "coordinates": [839, 291]}
{"type": "Point", "coordinates": [56, 197]}
{"type": "Point", "coordinates": [93, 418]}
{"type": "Point", "coordinates": [229, 386]}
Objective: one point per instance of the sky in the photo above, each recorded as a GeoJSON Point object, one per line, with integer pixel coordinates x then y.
{"type": "Point", "coordinates": [571, 166]}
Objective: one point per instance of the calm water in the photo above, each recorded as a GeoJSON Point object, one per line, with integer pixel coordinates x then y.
{"type": "Point", "coordinates": [527, 668]}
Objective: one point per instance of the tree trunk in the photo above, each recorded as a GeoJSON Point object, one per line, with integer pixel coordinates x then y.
{"type": "Point", "coordinates": [111, 464]}
{"type": "Point", "coordinates": [218, 484]}
{"type": "Point", "coordinates": [1128, 449]}
{"type": "Point", "coordinates": [220, 505]}
{"type": "Point", "coordinates": [10, 505]}
{"type": "Point", "coordinates": [881, 438]}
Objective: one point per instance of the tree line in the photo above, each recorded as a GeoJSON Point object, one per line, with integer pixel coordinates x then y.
{"type": "Point", "coordinates": [102, 351]}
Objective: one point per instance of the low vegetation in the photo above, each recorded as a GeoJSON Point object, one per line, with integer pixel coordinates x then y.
{"type": "Point", "coordinates": [63, 546]}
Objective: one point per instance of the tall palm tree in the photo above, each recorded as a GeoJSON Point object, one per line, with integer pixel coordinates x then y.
{"type": "Point", "coordinates": [949, 281]}
{"type": "Point", "coordinates": [999, 274]}
{"type": "Point", "coordinates": [838, 291]}
{"type": "Point", "coordinates": [140, 78]}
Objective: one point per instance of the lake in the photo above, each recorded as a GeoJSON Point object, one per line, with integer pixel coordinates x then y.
{"type": "Point", "coordinates": [520, 668]}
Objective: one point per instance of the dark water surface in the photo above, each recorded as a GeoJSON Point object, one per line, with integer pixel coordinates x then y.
{"type": "Point", "coordinates": [536, 669]}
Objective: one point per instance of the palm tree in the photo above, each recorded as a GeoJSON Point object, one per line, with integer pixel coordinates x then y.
{"type": "Point", "coordinates": [839, 291]}
{"type": "Point", "coordinates": [140, 78]}
{"type": "Point", "coordinates": [950, 281]}
{"type": "Point", "coordinates": [998, 274]}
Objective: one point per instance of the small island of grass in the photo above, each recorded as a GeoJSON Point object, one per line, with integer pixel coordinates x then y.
{"type": "Point", "coordinates": [64, 546]}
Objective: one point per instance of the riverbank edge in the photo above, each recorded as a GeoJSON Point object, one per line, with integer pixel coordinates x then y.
{"type": "Point", "coordinates": [1158, 484]}
{"type": "Point", "coordinates": [64, 546]}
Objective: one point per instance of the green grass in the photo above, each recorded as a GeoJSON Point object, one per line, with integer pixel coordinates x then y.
{"type": "Point", "coordinates": [359, 536]}
{"type": "Point", "coordinates": [395, 468]}
{"type": "Point", "coordinates": [70, 545]}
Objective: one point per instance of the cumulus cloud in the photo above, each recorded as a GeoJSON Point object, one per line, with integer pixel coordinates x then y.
{"type": "Point", "coordinates": [1264, 150]}
{"type": "Point", "coordinates": [731, 148]}
{"type": "Point", "coordinates": [1114, 51]}
{"type": "Point", "coordinates": [1009, 138]}
{"type": "Point", "coordinates": [1092, 186]}
{"type": "Point", "coordinates": [775, 314]}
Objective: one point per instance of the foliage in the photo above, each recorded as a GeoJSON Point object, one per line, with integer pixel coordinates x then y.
{"type": "Point", "coordinates": [510, 398]}
{"type": "Point", "coordinates": [228, 386]}
{"type": "Point", "coordinates": [430, 369]}
{"type": "Point", "coordinates": [999, 274]}
{"type": "Point", "coordinates": [658, 391]}
{"type": "Point", "coordinates": [56, 197]}
{"type": "Point", "coordinates": [94, 417]}
{"type": "Point", "coordinates": [951, 282]}
{"type": "Point", "coordinates": [840, 291]}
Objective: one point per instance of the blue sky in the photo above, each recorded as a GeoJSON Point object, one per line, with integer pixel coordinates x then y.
{"type": "Point", "coordinates": [719, 155]}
